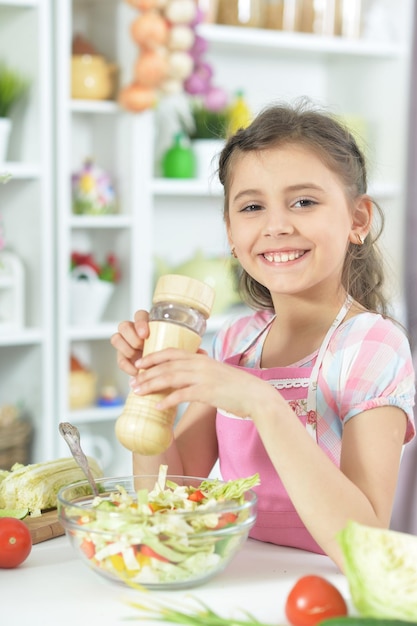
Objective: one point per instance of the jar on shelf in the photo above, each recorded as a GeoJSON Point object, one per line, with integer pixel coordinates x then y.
{"type": "Point", "coordinates": [274, 14]}
{"type": "Point", "coordinates": [209, 10]}
{"type": "Point", "coordinates": [321, 17]}
{"type": "Point", "coordinates": [249, 13]}
{"type": "Point", "coordinates": [300, 15]}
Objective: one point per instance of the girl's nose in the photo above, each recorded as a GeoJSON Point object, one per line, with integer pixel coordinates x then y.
{"type": "Point", "coordinates": [278, 223]}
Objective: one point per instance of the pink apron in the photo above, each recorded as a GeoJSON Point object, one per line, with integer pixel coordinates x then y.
{"type": "Point", "coordinates": [242, 453]}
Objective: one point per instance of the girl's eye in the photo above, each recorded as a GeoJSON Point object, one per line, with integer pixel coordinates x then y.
{"type": "Point", "coordinates": [304, 203]}
{"type": "Point", "coordinates": [251, 208]}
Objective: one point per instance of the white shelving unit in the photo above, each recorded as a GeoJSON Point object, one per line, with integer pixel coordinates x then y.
{"type": "Point", "coordinates": [157, 218]}
{"type": "Point", "coordinates": [102, 131]}
{"type": "Point", "coordinates": [27, 353]}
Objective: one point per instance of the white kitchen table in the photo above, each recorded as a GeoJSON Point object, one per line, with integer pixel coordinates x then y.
{"type": "Point", "coordinates": [54, 587]}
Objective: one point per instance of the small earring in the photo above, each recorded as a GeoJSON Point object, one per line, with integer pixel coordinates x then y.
{"type": "Point", "coordinates": [233, 252]}
{"type": "Point", "coordinates": [361, 241]}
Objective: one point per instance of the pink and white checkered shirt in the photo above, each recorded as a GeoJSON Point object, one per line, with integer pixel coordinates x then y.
{"type": "Point", "coordinates": [365, 364]}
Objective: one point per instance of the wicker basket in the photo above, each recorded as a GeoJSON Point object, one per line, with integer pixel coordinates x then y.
{"type": "Point", "coordinates": [15, 443]}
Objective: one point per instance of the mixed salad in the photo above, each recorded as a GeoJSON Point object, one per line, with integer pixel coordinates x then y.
{"type": "Point", "coordinates": [164, 535]}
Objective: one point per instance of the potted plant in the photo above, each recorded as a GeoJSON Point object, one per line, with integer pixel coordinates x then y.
{"type": "Point", "coordinates": [208, 123]}
{"type": "Point", "coordinates": [208, 133]}
{"type": "Point", "coordinates": [12, 89]}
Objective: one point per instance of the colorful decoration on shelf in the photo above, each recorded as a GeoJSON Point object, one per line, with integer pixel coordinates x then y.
{"type": "Point", "coordinates": [170, 55]}
{"type": "Point", "coordinates": [109, 396]}
{"type": "Point", "coordinates": [108, 271]}
{"type": "Point", "coordinates": [93, 191]}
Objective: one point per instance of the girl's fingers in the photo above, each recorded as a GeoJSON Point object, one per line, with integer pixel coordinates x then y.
{"type": "Point", "coordinates": [124, 349]}
{"type": "Point", "coordinates": [127, 334]}
{"type": "Point", "coordinates": [126, 366]}
{"type": "Point", "coordinates": [163, 356]}
{"type": "Point", "coordinates": [141, 324]}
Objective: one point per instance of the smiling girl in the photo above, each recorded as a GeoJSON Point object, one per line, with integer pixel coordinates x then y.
{"type": "Point", "coordinates": [315, 389]}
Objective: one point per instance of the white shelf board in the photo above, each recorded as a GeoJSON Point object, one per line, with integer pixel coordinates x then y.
{"type": "Point", "coordinates": [19, 337]}
{"type": "Point", "coordinates": [94, 106]}
{"type": "Point", "coordinates": [25, 4]}
{"type": "Point", "coordinates": [95, 414]}
{"type": "Point", "coordinates": [103, 330]}
{"type": "Point", "coordinates": [185, 187]}
{"type": "Point", "coordinates": [20, 170]}
{"type": "Point", "coordinates": [297, 43]}
{"type": "Point", "coordinates": [100, 221]}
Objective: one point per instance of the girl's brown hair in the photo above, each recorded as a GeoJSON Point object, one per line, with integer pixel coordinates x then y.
{"type": "Point", "coordinates": [362, 274]}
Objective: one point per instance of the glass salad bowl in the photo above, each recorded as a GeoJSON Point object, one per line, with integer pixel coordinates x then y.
{"type": "Point", "coordinates": [162, 532]}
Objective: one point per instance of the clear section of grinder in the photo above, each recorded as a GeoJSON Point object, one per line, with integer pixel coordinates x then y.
{"type": "Point", "coordinates": [179, 314]}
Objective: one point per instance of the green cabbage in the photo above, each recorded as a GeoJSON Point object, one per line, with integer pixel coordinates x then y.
{"type": "Point", "coordinates": [35, 487]}
{"type": "Point", "coordinates": [381, 569]}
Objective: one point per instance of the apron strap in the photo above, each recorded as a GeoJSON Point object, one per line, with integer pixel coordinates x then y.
{"type": "Point", "coordinates": [311, 425]}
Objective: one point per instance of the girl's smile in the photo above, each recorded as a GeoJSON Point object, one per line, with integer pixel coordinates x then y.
{"type": "Point", "coordinates": [283, 256]}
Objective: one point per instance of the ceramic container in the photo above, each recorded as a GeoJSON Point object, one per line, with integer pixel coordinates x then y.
{"type": "Point", "coordinates": [92, 78]}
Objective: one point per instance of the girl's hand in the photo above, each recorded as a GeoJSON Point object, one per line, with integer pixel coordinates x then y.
{"type": "Point", "coordinates": [197, 377]}
{"type": "Point", "coordinates": [129, 341]}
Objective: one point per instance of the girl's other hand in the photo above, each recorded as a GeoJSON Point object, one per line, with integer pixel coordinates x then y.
{"type": "Point", "coordinates": [129, 340]}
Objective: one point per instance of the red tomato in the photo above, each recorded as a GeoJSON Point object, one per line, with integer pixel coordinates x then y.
{"type": "Point", "coordinates": [15, 542]}
{"type": "Point", "coordinates": [312, 600]}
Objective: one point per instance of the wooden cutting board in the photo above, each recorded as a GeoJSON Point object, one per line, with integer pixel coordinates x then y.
{"type": "Point", "coordinates": [45, 526]}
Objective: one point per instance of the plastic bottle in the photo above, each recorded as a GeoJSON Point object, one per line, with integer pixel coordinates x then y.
{"type": "Point", "coordinates": [240, 115]}
{"type": "Point", "coordinates": [181, 306]}
{"type": "Point", "coordinates": [179, 160]}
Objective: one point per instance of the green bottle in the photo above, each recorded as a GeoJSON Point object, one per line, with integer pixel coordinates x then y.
{"type": "Point", "coordinates": [179, 160]}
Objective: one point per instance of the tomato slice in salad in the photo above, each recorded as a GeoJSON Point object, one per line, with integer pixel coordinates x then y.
{"type": "Point", "coordinates": [225, 519]}
{"type": "Point", "coordinates": [88, 548]}
{"type": "Point", "coordinates": [196, 496]}
{"type": "Point", "coordinates": [147, 551]}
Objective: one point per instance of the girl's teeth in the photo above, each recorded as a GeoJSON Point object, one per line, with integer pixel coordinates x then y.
{"type": "Point", "coordinates": [283, 257]}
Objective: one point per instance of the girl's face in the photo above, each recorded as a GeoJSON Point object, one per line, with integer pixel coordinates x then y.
{"type": "Point", "coordinates": [290, 221]}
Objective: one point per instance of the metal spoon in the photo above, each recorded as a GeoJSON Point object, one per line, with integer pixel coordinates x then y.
{"type": "Point", "coordinates": [72, 437]}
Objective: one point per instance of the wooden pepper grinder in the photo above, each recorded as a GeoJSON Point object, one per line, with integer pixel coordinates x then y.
{"type": "Point", "coordinates": [181, 306]}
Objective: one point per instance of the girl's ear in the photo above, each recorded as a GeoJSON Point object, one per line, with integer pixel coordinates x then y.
{"type": "Point", "coordinates": [361, 219]}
